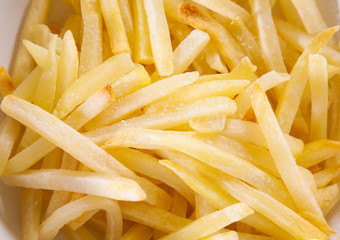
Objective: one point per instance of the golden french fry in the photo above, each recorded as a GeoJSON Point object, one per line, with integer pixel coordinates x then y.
{"type": "Point", "coordinates": [283, 157]}
{"type": "Point", "coordinates": [231, 235]}
{"type": "Point", "coordinates": [159, 37]}
{"type": "Point", "coordinates": [6, 83]}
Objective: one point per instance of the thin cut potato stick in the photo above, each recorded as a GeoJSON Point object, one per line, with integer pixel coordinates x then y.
{"type": "Point", "coordinates": [251, 132]}
{"type": "Point", "coordinates": [92, 40]}
{"type": "Point", "coordinates": [227, 9]}
{"type": "Point", "coordinates": [6, 83]}
{"type": "Point", "coordinates": [31, 203]}
{"type": "Point", "coordinates": [227, 162]}
{"type": "Point", "coordinates": [127, 16]}
{"type": "Point", "coordinates": [179, 204]}
{"type": "Point", "coordinates": [267, 35]}
{"type": "Point", "coordinates": [159, 37]}
{"type": "Point", "coordinates": [73, 24]}
{"type": "Point", "coordinates": [114, 23]}
{"type": "Point", "coordinates": [67, 65]}
{"type": "Point", "coordinates": [39, 54]}
{"type": "Point", "coordinates": [154, 217]}
{"type": "Point", "coordinates": [210, 124]}
{"type": "Point", "coordinates": [149, 166]}
{"type": "Point", "coordinates": [283, 157]}
{"type": "Point", "coordinates": [189, 49]}
{"type": "Point", "coordinates": [27, 88]}
{"type": "Point", "coordinates": [81, 233]}
{"type": "Point", "coordinates": [9, 131]}
{"type": "Point", "coordinates": [142, 49]}
{"type": "Point", "coordinates": [327, 197]}
{"type": "Point", "coordinates": [50, 227]}
{"type": "Point", "coordinates": [138, 232]}
{"type": "Point", "coordinates": [290, 98]}
{"type": "Point", "coordinates": [143, 97]}
{"type": "Point", "coordinates": [318, 82]}
{"type": "Point", "coordinates": [171, 117]}
{"type": "Point", "coordinates": [325, 176]}
{"type": "Point", "coordinates": [23, 63]}
{"type": "Point", "coordinates": [228, 47]}
{"type": "Point", "coordinates": [213, 59]}
{"type": "Point", "coordinates": [228, 88]}
{"type": "Point", "coordinates": [106, 73]}
{"type": "Point", "coordinates": [98, 184]}
{"type": "Point", "coordinates": [268, 81]}
{"type": "Point", "coordinates": [42, 36]}
{"type": "Point", "coordinates": [202, 206]}
{"type": "Point", "coordinates": [211, 223]}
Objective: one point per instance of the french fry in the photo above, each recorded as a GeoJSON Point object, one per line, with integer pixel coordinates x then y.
{"type": "Point", "coordinates": [81, 233]}
{"type": "Point", "coordinates": [53, 159]}
{"type": "Point", "coordinates": [289, 53]}
{"type": "Point", "coordinates": [127, 16]}
{"type": "Point", "coordinates": [138, 232]}
{"type": "Point", "coordinates": [175, 116]}
{"type": "Point", "coordinates": [268, 81]}
{"type": "Point", "coordinates": [92, 39]}
{"type": "Point", "coordinates": [231, 235]}
{"type": "Point", "coordinates": [251, 132]}
{"type": "Point", "coordinates": [159, 37]}
{"type": "Point", "coordinates": [228, 88]}
{"type": "Point", "coordinates": [142, 48]}
{"type": "Point", "coordinates": [240, 31]}
{"type": "Point", "coordinates": [206, 225]}
{"type": "Point", "coordinates": [106, 73]}
{"type": "Point", "coordinates": [227, 162]}
{"type": "Point", "coordinates": [151, 216]}
{"type": "Point", "coordinates": [114, 23]}
{"type": "Point", "coordinates": [189, 49]}
{"type": "Point", "coordinates": [291, 13]}
{"type": "Point", "coordinates": [202, 206]}
{"type": "Point", "coordinates": [6, 83]}
{"type": "Point", "coordinates": [98, 184]}
{"type": "Point", "coordinates": [73, 24]}
{"type": "Point", "coordinates": [149, 166]}
{"type": "Point", "coordinates": [30, 213]}
{"type": "Point", "coordinates": [179, 204]}
{"type": "Point", "coordinates": [318, 82]}
{"type": "Point", "coordinates": [290, 98]}
{"type": "Point", "coordinates": [228, 47]}
{"type": "Point", "coordinates": [9, 131]}
{"type": "Point", "coordinates": [27, 88]}
{"type": "Point", "coordinates": [213, 59]}
{"type": "Point", "coordinates": [67, 65]}
{"type": "Point", "coordinates": [74, 4]}
{"type": "Point", "coordinates": [227, 9]}
{"type": "Point", "coordinates": [327, 197]}
{"type": "Point", "coordinates": [267, 35]}
{"type": "Point", "coordinates": [23, 62]}
{"type": "Point", "coordinates": [325, 176]}
{"type": "Point", "coordinates": [42, 36]}
{"type": "Point", "coordinates": [143, 97]}
{"type": "Point", "coordinates": [211, 124]}
{"type": "Point", "coordinates": [284, 159]}
{"type": "Point", "coordinates": [50, 227]}
{"type": "Point", "coordinates": [39, 54]}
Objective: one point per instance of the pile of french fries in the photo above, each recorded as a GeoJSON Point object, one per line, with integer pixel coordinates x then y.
{"type": "Point", "coordinates": [174, 119]}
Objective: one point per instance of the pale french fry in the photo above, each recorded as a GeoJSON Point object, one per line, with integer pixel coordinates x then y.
{"type": "Point", "coordinates": [114, 23]}
{"type": "Point", "coordinates": [159, 37]}
{"type": "Point", "coordinates": [308, 178]}
{"type": "Point", "coordinates": [106, 73]}
{"type": "Point", "coordinates": [268, 81]}
{"type": "Point", "coordinates": [318, 151]}
{"type": "Point", "coordinates": [267, 35]}
{"type": "Point", "coordinates": [53, 159]}
{"type": "Point", "coordinates": [154, 217]}
{"type": "Point", "coordinates": [67, 65]}
{"type": "Point", "coordinates": [189, 49]}
{"type": "Point", "coordinates": [231, 235]}
{"type": "Point", "coordinates": [228, 88]}
{"type": "Point", "coordinates": [228, 47]}
{"type": "Point", "coordinates": [240, 31]}
{"type": "Point", "coordinates": [284, 159]}
{"type": "Point", "coordinates": [138, 232]}
{"type": "Point", "coordinates": [98, 184]}
{"type": "Point", "coordinates": [289, 53]}
{"type": "Point", "coordinates": [200, 65]}
{"type": "Point", "coordinates": [149, 166]}
{"type": "Point", "coordinates": [175, 116]}
{"type": "Point", "coordinates": [227, 9]}
{"type": "Point", "coordinates": [171, 8]}
{"type": "Point", "coordinates": [327, 197]}
{"type": "Point", "coordinates": [310, 16]}
{"type": "Point", "coordinates": [318, 82]}
{"type": "Point", "coordinates": [207, 225]}
{"type": "Point", "coordinates": [143, 97]}
{"type": "Point", "coordinates": [73, 24]}
{"type": "Point", "coordinates": [213, 59]}
{"type": "Point", "coordinates": [39, 54]}
{"type": "Point", "coordinates": [42, 36]}
{"type": "Point", "coordinates": [9, 131]}
{"type": "Point", "coordinates": [300, 40]}
{"type": "Point", "coordinates": [325, 176]}
{"type": "Point", "coordinates": [6, 83]}
{"type": "Point", "coordinates": [127, 16]}
{"type": "Point", "coordinates": [290, 12]}
{"type": "Point", "coordinates": [179, 204]}
{"type": "Point", "coordinates": [50, 227]}
{"type": "Point", "coordinates": [202, 206]}
{"type": "Point", "coordinates": [244, 70]}
{"type": "Point", "coordinates": [290, 98]}
{"type": "Point", "coordinates": [251, 132]}
{"type": "Point", "coordinates": [92, 39]}
{"type": "Point", "coordinates": [227, 162]}
{"type": "Point", "coordinates": [142, 48]}
{"type": "Point", "coordinates": [27, 88]}
{"type": "Point", "coordinates": [210, 124]}
{"type": "Point", "coordinates": [30, 213]}
{"type": "Point", "coordinates": [23, 63]}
